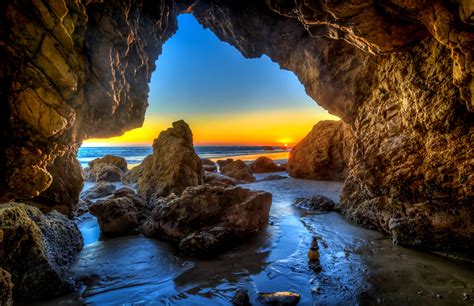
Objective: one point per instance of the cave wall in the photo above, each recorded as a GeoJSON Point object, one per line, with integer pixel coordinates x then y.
{"type": "Point", "coordinates": [399, 72]}
{"type": "Point", "coordinates": [72, 70]}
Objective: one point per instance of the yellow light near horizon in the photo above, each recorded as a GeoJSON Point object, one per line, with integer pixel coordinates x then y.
{"type": "Point", "coordinates": [256, 128]}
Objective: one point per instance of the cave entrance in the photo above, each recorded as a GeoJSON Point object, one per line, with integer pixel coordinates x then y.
{"type": "Point", "coordinates": [228, 100]}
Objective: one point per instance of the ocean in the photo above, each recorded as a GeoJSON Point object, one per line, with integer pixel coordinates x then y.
{"type": "Point", "coordinates": [135, 155]}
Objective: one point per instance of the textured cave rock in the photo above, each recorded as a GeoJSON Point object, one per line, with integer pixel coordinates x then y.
{"type": "Point", "coordinates": [37, 249]}
{"type": "Point", "coordinates": [71, 70]}
{"type": "Point", "coordinates": [323, 154]}
{"type": "Point", "coordinates": [400, 75]}
{"type": "Point", "coordinates": [6, 288]}
{"type": "Point", "coordinates": [399, 72]}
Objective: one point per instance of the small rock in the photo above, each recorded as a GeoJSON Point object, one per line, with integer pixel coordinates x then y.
{"type": "Point", "coordinates": [99, 190]}
{"type": "Point", "coordinates": [273, 177]}
{"type": "Point", "coordinates": [264, 164]}
{"type": "Point", "coordinates": [279, 298]}
{"type": "Point", "coordinates": [238, 170]}
{"type": "Point", "coordinates": [216, 179]}
{"type": "Point", "coordinates": [315, 203]}
{"type": "Point", "coordinates": [223, 162]}
{"type": "Point", "coordinates": [241, 298]}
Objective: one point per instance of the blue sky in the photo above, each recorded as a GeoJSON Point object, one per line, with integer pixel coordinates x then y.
{"type": "Point", "coordinates": [226, 98]}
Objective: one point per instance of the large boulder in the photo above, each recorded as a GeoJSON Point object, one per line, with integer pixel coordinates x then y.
{"type": "Point", "coordinates": [208, 165]}
{"type": "Point", "coordinates": [173, 166]}
{"type": "Point", "coordinates": [6, 288]}
{"type": "Point", "coordinates": [37, 249]}
{"type": "Point", "coordinates": [318, 203]}
{"type": "Point", "coordinates": [323, 154]}
{"type": "Point", "coordinates": [109, 168]}
{"type": "Point", "coordinates": [238, 170]}
{"type": "Point", "coordinates": [121, 214]}
{"type": "Point", "coordinates": [207, 219]}
{"type": "Point", "coordinates": [264, 164]}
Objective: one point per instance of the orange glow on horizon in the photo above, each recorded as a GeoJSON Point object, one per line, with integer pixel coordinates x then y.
{"type": "Point", "coordinates": [263, 128]}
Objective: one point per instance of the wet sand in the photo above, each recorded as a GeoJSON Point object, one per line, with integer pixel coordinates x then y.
{"type": "Point", "coordinates": [358, 266]}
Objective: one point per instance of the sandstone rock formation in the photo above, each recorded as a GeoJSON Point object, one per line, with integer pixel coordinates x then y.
{"type": "Point", "coordinates": [132, 175]}
{"type": "Point", "coordinates": [99, 190]}
{"type": "Point", "coordinates": [37, 250]}
{"type": "Point", "coordinates": [315, 203]}
{"type": "Point", "coordinates": [398, 72]}
{"type": "Point", "coordinates": [6, 288]}
{"type": "Point", "coordinates": [68, 180]}
{"type": "Point", "coordinates": [216, 179]}
{"type": "Point", "coordinates": [223, 162]}
{"type": "Point", "coordinates": [238, 170]}
{"type": "Point", "coordinates": [173, 166]}
{"type": "Point", "coordinates": [208, 165]}
{"type": "Point", "coordinates": [323, 154]}
{"type": "Point", "coordinates": [72, 70]}
{"type": "Point", "coordinates": [206, 219]}
{"type": "Point", "coordinates": [109, 168]}
{"type": "Point", "coordinates": [264, 164]}
{"type": "Point", "coordinates": [121, 214]}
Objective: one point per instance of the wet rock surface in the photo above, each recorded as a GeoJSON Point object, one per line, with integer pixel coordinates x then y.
{"type": "Point", "coordinates": [173, 166]}
{"type": "Point", "coordinates": [37, 249]}
{"type": "Point", "coordinates": [204, 220]}
{"type": "Point", "coordinates": [217, 179]}
{"type": "Point", "coordinates": [264, 164]}
{"type": "Point", "coordinates": [315, 203]}
{"type": "Point", "coordinates": [273, 177]}
{"type": "Point", "coordinates": [121, 214]}
{"type": "Point", "coordinates": [323, 154]}
{"type": "Point", "coordinates": [279, 298]}
{"type": "Point", "coordinates": [99, 190]}
{"type": "Point", "coordinates": [208, 165]}
{"type": "Point", "coordinates": [238, 170]}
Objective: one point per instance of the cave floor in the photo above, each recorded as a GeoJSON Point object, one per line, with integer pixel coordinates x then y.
{"type": "Point", "coordinates": [358, 266]}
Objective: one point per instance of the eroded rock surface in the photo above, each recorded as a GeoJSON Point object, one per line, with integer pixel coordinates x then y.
{"type": "Point", "coordinates": [323, 154]}
{"type": "Point", "coordinates": [121, 214]}
{"type": "Point", "coordinates": [37, 249]}
{"type": "Point", "coordinates": [109, 168]}
{"type": "Point", "coordinates": [264, 164]}
{"type": "Point", "coordinates": [398, 72]}
{"type": "Point", "coordinates": [173, 166]}
{"type": "Point", "coordinates": [217, 179]}
{"type": "Point", "coordinates": [99, 190]}
{"type": "Point", "coordinates": [238, 170]}
{"type": "Point", "coordinates": [315, 203]}
{"type": "Point", "coordinates": [6, 288]}
{"type": "Point", "coordinates": [206, 219]}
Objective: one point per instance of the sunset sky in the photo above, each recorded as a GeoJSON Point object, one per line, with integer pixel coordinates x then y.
{"type": "Point", "coordinates": [225, 98]}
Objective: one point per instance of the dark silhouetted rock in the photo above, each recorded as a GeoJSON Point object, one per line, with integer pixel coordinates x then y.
{"type": "Point", "coordinates": [37, 249]}
{"type": "Point", "coordinates": [238, 170]}
{"type": "Point", "coordinates": [264, 164]}
{"type": "Point", "coordinates": [241, 298]}
{"type": "Point", "coordinates": [173, 166]}
{"type": "Point", "coordinates": [315, 203]}
{"type": "Point", "coordinates": [121, 214]}
{"type": "Point", "coordinates": [205, 220]}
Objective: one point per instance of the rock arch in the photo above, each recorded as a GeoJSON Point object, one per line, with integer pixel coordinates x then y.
{"type": "Point", "coordinates": [399, 72]}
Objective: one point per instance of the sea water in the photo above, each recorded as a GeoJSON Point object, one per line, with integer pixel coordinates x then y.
{"type": "Point", "coordinates": [135, 155]}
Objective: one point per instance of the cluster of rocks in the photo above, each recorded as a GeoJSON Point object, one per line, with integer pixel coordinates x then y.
{"type": "Point", "coordinates": [200, 211]}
